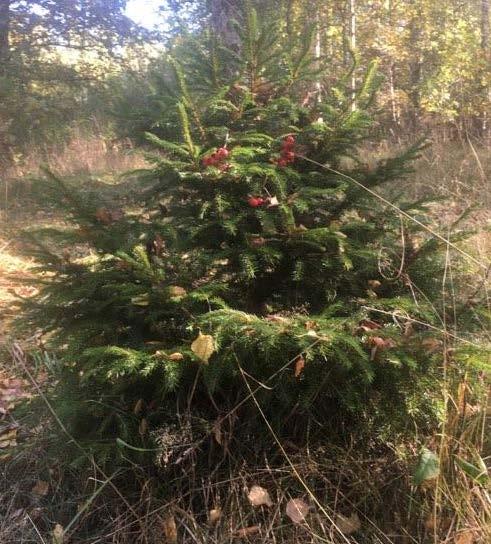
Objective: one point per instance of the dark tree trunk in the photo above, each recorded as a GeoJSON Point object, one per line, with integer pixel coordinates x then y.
{"type": "Point", "coordinates": [223, 13]}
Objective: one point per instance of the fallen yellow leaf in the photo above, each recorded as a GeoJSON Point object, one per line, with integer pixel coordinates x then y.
{"type": "Point", "coordinates": [203, 347]}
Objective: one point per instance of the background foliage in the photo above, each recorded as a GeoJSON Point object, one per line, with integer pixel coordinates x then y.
{"type": "Point", "coordinates": [61, 61]}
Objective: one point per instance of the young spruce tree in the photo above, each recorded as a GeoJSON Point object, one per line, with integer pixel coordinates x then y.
{"type": "Point", "coordinates": [250, 255]}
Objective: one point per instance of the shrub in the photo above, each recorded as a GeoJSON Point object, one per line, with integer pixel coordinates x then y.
{"type": "Point", "coordinates": [252, 256]}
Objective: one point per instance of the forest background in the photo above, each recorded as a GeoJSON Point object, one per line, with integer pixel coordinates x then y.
{"type": "Point", "coordinates": [69, 67]}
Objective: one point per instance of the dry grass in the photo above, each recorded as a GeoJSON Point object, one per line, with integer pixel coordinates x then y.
{"type": "Point", "coordinates": [459, 171]}
{"type": "Point", "coordinates": [84, 155]}
{"type": "Point", "coordinates": [13, 269]}
{"type": "Point", "coordinates": [365, 495]}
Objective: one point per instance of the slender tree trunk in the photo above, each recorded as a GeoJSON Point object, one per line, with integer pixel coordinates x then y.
{"type": "Point", "coordinates": [352, 35]}
{"type": "Point", "coordinates": [393, 102]}
{"type": "Point", "coordinates": [415, 66]}
{"type": "Point", "coordinates": [392, 70]}
{"type": "Point", "coordinates": [4, 33]}
{"type": "Point", "coordinates": [487, 57]}
{"type": "Point", "coordinates": [318, 51]}
{"type": "Point", "coordinates": [485, 25]}
{"type": "Point", "coordinates": [6, 156]}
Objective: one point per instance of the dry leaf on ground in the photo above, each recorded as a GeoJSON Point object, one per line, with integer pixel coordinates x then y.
{"type": "Point", "coordinates": [203, 347]}
{"type": "Point", "coordinates": [297, 510]}
{"type": "Point", "coordinates": [11, 391]}
{"type": "Point", "coordinates": [214, 515]}
{"type": "Point", "coordinates": [8, 438]}
{"type": "Point", "coordinates": [58, 534]}
{"type": "Point", "coordinates": [367, 325]}
{"type": "Point", "coordinates": [465, 537]}
{"type": "Point", "coordinates": [103, 215]}
{"type": "Point", "coordinates": [170, 529]}
{"type": "Point", "coordinates": [247, 531]}
{"type": "Point", "coordinates": [348, 525]}
{"type": "Point", "coordinates": [41, 488]}
{"type": "Point", "coordinates": [258, 496]}
{"type": "Point", "coordinates": [107, 217]}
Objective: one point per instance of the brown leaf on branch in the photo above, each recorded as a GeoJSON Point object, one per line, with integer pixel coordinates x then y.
{"type": "Point", "coordinates": [311, 325]}
{"type": "Point", "coordinates": [432, 345]}
{"type": "Point", "coordinates": [257, 241]}
{"type": "Point", "coordinates": [367, 325]}
{"type": "Point", "coordinates": [217, 432]}
{"type": "Point", "coordinates": [143, 427]}
{"type": "Point", "coordinates": [277, 318]}
{"type": "Point", "coordinates": [175, 291]}
{"type": "Point", "coordinates": [140, 403]}
{"type": "Point", "coordinates": [380, 343]}
{"type": "Point", "coordinates": [377, 344]}
{"type": "Point", "coordinates": [175, 357]}
{"type": "Point", "coordinates": [299, 366]}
